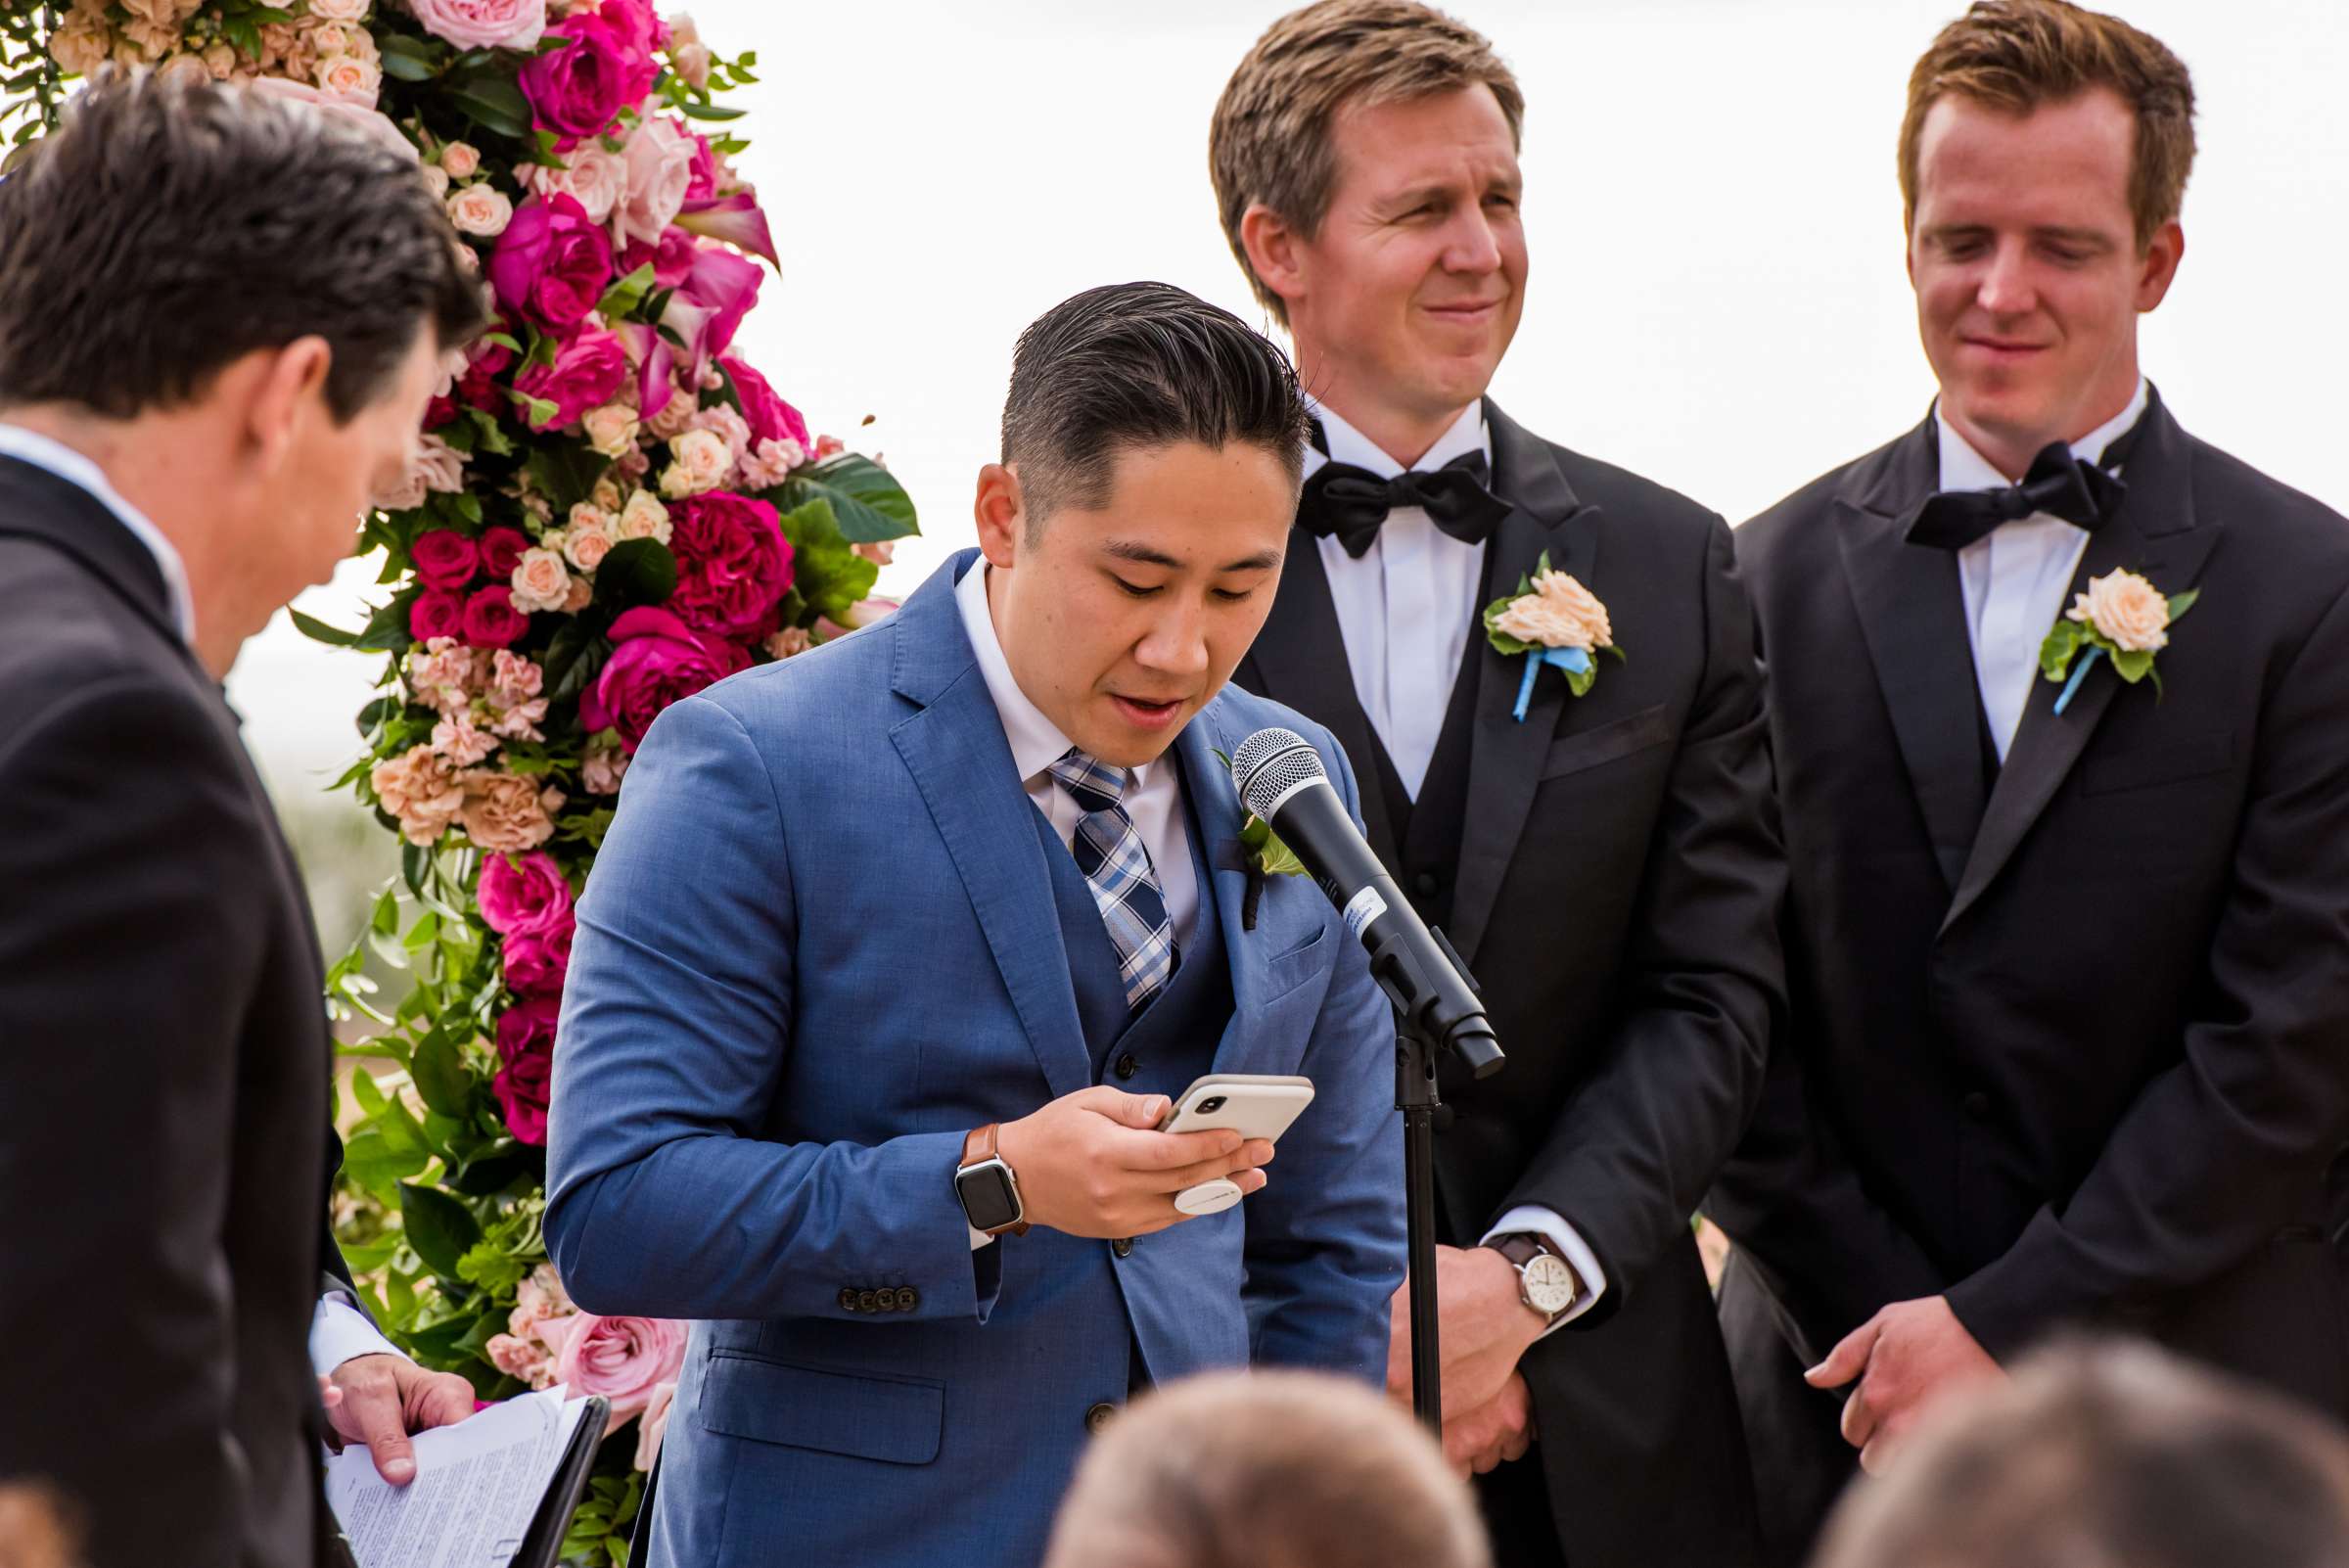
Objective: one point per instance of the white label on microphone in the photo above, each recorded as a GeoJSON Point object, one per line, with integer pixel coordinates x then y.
{"type": "Point", "coordinates": [1362, 908]}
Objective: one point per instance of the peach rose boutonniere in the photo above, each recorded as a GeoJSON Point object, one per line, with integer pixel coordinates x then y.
{"type": "Point", "coordinates": [1552, 620]}
{"type": "Point", "coordinates": [2121, 617]}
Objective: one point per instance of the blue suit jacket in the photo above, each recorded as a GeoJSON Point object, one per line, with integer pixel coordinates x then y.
{"type": "Point", "coordinates": [819, 945]}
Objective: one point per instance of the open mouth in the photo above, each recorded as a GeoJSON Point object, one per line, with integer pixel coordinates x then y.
{"type": "Point", "coordinates": [1146, 714]}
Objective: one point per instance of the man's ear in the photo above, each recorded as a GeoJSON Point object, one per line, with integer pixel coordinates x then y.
{"type": "Point", "coordinates": [2159, 267]}
{"type": "Point", "coordinates": [1275, 251]}
{"type": "Point", "coordinates": [287, 388]}
{"type": "Point", "coordinates": [1001, 509]}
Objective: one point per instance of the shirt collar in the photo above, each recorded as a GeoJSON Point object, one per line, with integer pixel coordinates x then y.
{"type": "Point", "coordinates": [1037, 743]}
{"type": "Point", "coordinates": [1962, 468]}
{"type": "Point", "coordinates": [30, 447]}
{"type": "Point", "coordinates": [1350, 445]}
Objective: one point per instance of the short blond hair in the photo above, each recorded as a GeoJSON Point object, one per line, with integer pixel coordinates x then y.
{"type": "Point", "coordinates": [1269, 141]}
{"type": "Point", "coordinates": [2016, 55]}
{"type": "Point", "coordinates": [1266, 1470]}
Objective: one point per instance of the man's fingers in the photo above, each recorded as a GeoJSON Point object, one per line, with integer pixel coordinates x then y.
{"type": "Point", "coordinates": [1847, 1359]}
{"type": "Point", "coordinates": [1141, 1111]}
{"type": "Point", "coordinates": [1233, 1165]}
{"type": "Point", "coordinates": [1131, 1150]}
{"type": "Point", "coordinates": [1858, 1418]}
{"type": "Point", "coordinates": [445, 1400]}
{"type": "Point", "coordinates": [371, 1413]}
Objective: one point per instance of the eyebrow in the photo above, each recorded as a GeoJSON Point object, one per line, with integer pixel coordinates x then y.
{"type": "Point", "coordinates": [1141, 554]}
{"type": "Point", "coordinates": [2044, 231]}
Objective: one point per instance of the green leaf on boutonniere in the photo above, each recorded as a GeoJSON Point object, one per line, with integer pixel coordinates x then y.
{"type": "Point", "coordinates": [2180, 603]}
{"type": "Point", "coordinates": [2134, 664]}
{"type": "Point", "coordinates": [2056, 654]}
{"type": "Point", "coordinates": [1502, 643]}
{"type": "Point", "coordinates": [1272, 856]}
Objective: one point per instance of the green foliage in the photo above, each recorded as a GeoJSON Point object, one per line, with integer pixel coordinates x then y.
{"type": "Point", "coordinates": [867, 503]}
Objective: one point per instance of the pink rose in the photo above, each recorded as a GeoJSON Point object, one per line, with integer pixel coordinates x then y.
{"type": "Point", "coordinates": [505, 813]}
{"type": "Point", "coordinates": [655, 1424]}
{"type": "Point", "coordinates": [501, 550]}
{"type": "Point", "coordinates": [541, 580]}
{"type": "Point", "coordinates": [445, 558]}
{"type": "Point", "coordinates": [483, 24]}
{"type": "Point", "coordinates": [523, 1358]}
{"type": "Point", "coordinates": [587, 371]}
{"type": "Point", "coordinates": [671, 257]}
{"type": "Point", "coordinates": [660, 160]}
{"type": "Point", "coordinates": [490, 619]}
{"type": "Point", "coordinates": [526, 1045]}
{"type": "Point", "coordinates": [481, 210]}
{"type": "Point", "coordinates": [359, 116]}
{"type": "Point", "coordinates": [552, 264]}
{"type": "Point", "coordinates": [523, 895]}
{"type": "Point", "coordinates": [592, 175]}
{"type": "Point", "coordinates": [435, 613]}
{"type": "Point", "coordinates": [656, 660]}
{"type": "Point", "coordinates": [2126, 608]}
{"type": "Point", "coordinates": [770, 417]}
{"type": "Point", "coordinates": [579, 88]}
{"type": "Point", "coordinates": [622, 1359]}
{"type": "Point", "coordinates": [461, 160]}
{"type": "Point", "coordinates": [704, 183]}
{"type": "Point", "coordinates": [536, 962]}
{"type": "Point", "coordinates": [733, 563]}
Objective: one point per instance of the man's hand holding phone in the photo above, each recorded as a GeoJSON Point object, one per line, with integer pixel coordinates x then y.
{"type": "Point", "coordinates": [1095, 1164]}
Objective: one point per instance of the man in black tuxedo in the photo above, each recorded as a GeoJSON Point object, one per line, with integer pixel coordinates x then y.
{"type": "Point", "coordinates": [1608, 863]}
{"type": "Point", "coordinates": [2070, 976]}
{"type": "Point", "coordinates": [220, 318]}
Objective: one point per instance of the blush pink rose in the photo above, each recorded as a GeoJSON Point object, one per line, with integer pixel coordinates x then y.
{"type": "Point", "coordinates": [733, 563]}
{"type": "Point", "coordinates": [660, 160]}
{"type": "Point", "coordinates": [523, 895]}
{"type": "Point", "coordinates": [622, 1359]}
{"type": "Point", "coordinates": [2127, 608]}
{"type": "Point", "coordinates": [770, 417]}
{"type": "Point", "coordinates": [591, 174]}
{"type": "Point", "coordinates": [552, 264]}
{"type": "Point", "coordinates": [656, 660]}
{"type": "Point", "coordinates": [588, 372]}
{"type": "Point", "coordinates": [490, 619]}
{"type": "Point", "coordinates": [437, 613]}
{"type": "Point", "coordinates": [483, 24]}
{"type": "Point", "coordinates": [446, 558]}
{"type": "Point", "coordinates": [655, 1425]}
{"type": "Point", "coordinates": [501, 550]}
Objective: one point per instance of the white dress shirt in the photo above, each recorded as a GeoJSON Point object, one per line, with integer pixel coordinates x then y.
{"type": "Point", "coordinates": [1406, 609]}
{"type": "Point", "coordinates": [1407, 606]}
{"type": "Point", "coordinates": [339, 1330]}
{"type": "Point", "coordinates": [2015, 577]}
{"type": "Point", "coordinates": [70, 466]}
{"type": "Point", "coordinates": [1153, 798]}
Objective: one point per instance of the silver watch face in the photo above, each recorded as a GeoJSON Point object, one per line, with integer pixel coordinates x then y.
{"type": "Point", "coordinates": [1549, 1284]}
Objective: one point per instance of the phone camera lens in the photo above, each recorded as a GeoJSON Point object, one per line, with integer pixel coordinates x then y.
{"type": "Point", "coordinates": [1212, 1104]}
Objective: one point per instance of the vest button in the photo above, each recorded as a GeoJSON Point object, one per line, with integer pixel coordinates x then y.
{"type": "Point", "coordinates": [1099, 1418]}
{"type": "Point", "coordinates": [1977, 1105]}
{"type": "Point", "coordinates": [1427, 882]}
{"type": "Point", "coordinates": [848, 1298]}
{"type": "Point", "coordinates": [1123, 1246]}
{"type": "Point", "coordinates": [1128, 1066]}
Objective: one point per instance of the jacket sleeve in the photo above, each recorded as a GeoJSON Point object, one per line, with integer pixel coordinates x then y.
{"type": "Point", "coordinates": [1324, 1249]}
{"type": "Point", "coordinates": [1703, 982]}
{"type": "Point", "coordinates": [661, 1197]}
{"type": "Point", "coordinates": [2221, 1150]}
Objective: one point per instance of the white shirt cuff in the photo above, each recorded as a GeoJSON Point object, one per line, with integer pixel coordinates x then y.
{"type": "Point", "coordinates": [339, 1331]}
{"type": "Point", "coordinates": [1533, 1220]}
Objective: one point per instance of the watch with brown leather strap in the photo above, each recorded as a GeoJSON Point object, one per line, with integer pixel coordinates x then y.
{"type": "Point", "coordinates": [1545, 1281]}
{"type": "Point", "coordinates": [989, 1188]}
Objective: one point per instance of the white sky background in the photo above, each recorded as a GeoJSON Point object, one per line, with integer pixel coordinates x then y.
{"type": "Point", "coordinates": [1716, 297]}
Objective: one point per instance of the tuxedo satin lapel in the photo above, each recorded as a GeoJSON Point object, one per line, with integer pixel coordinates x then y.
{"type": "Point", "coordinates": [1913, 615]}
{"type": "Point", "coordinates": [2155, 533]}
{"type": "Point", "coordinates": [955, 749]}
{"type": "Point", "coordinates": [1504, 756]}
{"type": "Point", "coordinates": [1300, 659]}
{"type": "Point", "coordinates": [1216, 806]}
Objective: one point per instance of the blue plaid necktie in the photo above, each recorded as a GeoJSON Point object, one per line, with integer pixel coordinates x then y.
{"type": "Point", "coordinates": [1110, 853]}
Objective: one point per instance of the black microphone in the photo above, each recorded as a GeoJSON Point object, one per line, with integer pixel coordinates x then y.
{"type": "Point", "coordinates": [1281, 778]}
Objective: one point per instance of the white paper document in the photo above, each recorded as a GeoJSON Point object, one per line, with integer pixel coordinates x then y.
{"type": "Point", "coordinates": [477, 1485]}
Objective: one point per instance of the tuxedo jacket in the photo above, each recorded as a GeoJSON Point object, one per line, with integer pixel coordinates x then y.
{"type": "Point", "coordinates": [1609, 869]}
{"type": "Point", "coordinates": [2070, 1037]}
{"type": "Point", "coordinates": [163, 1070]}
{"type": "Point", "coordinates": [822, 942]}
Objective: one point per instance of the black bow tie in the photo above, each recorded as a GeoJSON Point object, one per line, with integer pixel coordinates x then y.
{"type": "Point", "coordinates": [1353, 502]}
{"type": "Point", "coordinates": [2058, 484]}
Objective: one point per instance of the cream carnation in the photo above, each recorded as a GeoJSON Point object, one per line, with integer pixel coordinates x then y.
{"type": "Point", "coordinates": [81, 45]}
{"type": "Point", "coordinates": [2126, 610]}
{"type": "Point", "coordinates": [1560, 612]}
{"type": "Point", "coordinates": [421, 790]}
{"type": "Point", "coordinates": [507, 813]}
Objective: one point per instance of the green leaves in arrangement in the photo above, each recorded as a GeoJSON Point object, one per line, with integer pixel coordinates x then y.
{"type": "Point", "coordinates": [868, 504]}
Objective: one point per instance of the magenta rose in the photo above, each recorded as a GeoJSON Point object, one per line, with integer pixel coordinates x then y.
{"type": "Point", "coordinates": [535, 960]}
{"type": "Point", "coordinates": [501, 550]}
{"type": "Point", "coordinates": [622, 1359]}
{"type": "Point", "coordinates": [656, 660]}
{"type": "Point", "coordinates": [525, 894]}
{"type": "Point", "coordinates": [579, 88]}
{"type": "Point", "coordinates": [526, 1045]}
{"type": "Point", "coordinates": [586, 374]}
{"type": "Point", "coordinates": [671, 258]}
{"type": "Point", "coordinates": [552, 264]}
{"type": "Point", "coordinates": [734, 561]}
{"type": "Point", "coordinates": [769, 417]}
{"type": "Point", "coordinates": [490, 619]}
{"type": "Point", "coordinates": [437, 613]}
{"type": "Point", "coordinates": [702, 185]}
{"type": "Point", "coordinates": [446, 558]}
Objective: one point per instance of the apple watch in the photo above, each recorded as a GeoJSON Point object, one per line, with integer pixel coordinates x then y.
{"type": "Point", "coordinates": [989, 1189]}
{"type": "Point", "coordinates": [1545, 1281]}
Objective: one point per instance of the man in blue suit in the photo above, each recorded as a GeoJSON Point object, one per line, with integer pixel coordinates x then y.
{"type": "Point", "coordinates": [896, 955]}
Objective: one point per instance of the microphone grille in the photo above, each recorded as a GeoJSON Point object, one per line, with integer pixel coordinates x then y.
{"type": "Point", "coordinates": [1268, 764]}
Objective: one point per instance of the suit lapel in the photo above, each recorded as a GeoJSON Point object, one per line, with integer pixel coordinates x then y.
{"type": "Point", "coordinates": [1299, 661]}
{"type": "Point", "coordinates": [2156, 534]}
{"type": "Point", "coordinates": [1913, 615]}
{"type": "Point", "coordinates": [957, 752]}
{"type": "Point", "coordinates": [1504, 756]}
{"type": "Point", "coordinates": [1208, 792]}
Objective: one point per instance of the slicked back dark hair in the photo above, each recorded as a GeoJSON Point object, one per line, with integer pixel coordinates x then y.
{"type": "Point", "coordinates": [170, 228]}
{"type": "Point", "coordinates": [1140, 365]}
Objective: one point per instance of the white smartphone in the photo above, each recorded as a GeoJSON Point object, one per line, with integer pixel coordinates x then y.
{"type": "Point", "coordinates": [1254, 1105]}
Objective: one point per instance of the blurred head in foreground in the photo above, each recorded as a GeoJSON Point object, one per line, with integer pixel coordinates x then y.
{"type": "Point", "coordinates": [2107, 1457]}
{"type": "Point", "coordinates": [1266, 1470]}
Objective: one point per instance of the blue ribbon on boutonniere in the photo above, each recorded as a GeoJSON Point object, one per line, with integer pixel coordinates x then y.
{"type": "Point", "coordinates": [1552, 620]}
{"type": "Point", "coordinates": [2122, 618]}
